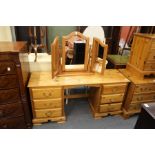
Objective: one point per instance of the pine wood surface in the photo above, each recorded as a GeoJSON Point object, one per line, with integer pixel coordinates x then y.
{"type": "Point", "coordinates": [44, 79]}
{"type": "Point", "coordinates": [135, 79]}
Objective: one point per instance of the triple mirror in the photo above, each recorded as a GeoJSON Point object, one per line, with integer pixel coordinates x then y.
{"type": "Point", "coordinates": [77, 57]}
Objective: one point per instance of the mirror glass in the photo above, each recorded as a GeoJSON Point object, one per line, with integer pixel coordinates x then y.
{"type": "Point", "coordinates": [100, 51]}
{"type": "Point", "coordinates": [75, 51]}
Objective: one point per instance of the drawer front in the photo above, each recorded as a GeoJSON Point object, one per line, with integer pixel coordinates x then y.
{"type": "Point", "coordinates": [9, 96]}
{"type": "Point", "coordinates": [151, 56]}
{"type": "Point", "coordinates": [141, 98]}
{"type": "Point", "coordinates": [11, 110]}
{"type": "Point", "coordinates": [134, 107]}
{"type": "Point", "coordinates": [48, 113]}
{"type": "Point", "coordinates": [149, 67]}
{"type": "Point", "coordinates": [46, 93]}
{"type": "Point", "coordinates": [115, 107]}
{"type": "Point", "coordinates": [13, 123]}
{"type": "Point", "coordinates": [47, 103]}
{"type": "Point", "coordinates": [7, 82]}
{"type": "Point", "coordinates": [7, 68]}
{"type": "Point", "coordinates": [104, 108]}
{"type": "Point", "coordinates": [145, 88]}
{"type": "Point", "coordinates": [110, 107]}
{"type": "Point", "coordinates": [114, 89]}
{"type": "Point", "coordinates": [111, 98]}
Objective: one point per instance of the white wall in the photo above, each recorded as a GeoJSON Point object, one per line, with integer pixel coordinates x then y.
{"type": "Point", "coordinates": [5, 33]}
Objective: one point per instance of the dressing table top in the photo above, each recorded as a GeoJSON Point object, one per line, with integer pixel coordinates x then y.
{"type": "Point", "coordinates": [44, 79]}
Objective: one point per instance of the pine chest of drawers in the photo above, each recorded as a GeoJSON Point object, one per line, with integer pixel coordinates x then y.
{"type": "Point", "coordinates": [139, 91]}
{"type": "Point", "coordinates": [14, 74]}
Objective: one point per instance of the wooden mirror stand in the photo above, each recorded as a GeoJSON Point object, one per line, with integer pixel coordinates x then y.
{"type": "Point", "coordinates": [92, 61]}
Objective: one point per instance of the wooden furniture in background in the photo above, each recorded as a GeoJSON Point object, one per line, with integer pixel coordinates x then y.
{"type": "Point", "coordinates": [146, 119]}
{"type": "Point", "coordinates": [14, 75]}
{"type": "Point", "coordinates": [142, 57]}
{"type": "Point", "coordinates": [47, 94]}
{"type": "Point", "coordinates": [139, 91]}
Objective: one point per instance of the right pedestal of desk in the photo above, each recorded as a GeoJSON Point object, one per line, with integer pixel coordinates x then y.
{"type": "Point", "coordinates": [139, 91]}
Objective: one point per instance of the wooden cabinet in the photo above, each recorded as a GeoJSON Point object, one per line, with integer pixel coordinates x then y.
{"type": "Point", "coordinates": [14, 74]}
{"type": "Point", "coordinates": [139, 91]}
{"type": "Point", "coordinates": [142, 57]}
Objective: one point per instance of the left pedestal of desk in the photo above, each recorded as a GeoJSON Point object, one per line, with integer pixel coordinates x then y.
{"type": "Point", "coordinates": [47, 104]}
{"type": "Point", "coordinates": [14, 74]}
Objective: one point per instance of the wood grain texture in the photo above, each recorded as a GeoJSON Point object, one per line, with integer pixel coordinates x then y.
{"type": "Point", "coordinates": [111, 76]}
{"type": "Point", "coordinates": [142, 57]}
{"type": "Point", "coordinates": [8, 82]}
{"type": "Point", "coordinates": [14, 74]}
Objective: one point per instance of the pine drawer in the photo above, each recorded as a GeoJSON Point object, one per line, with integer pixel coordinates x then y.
{"type": "Point", "coordinates": [145, 88]}
{"type": "Point", "coordinates": [141, 98]}
{"type": "Point", "coordinates": [47, 103]}
{"type": "Point", "coordinates": [46, 93]}
{"type": "Point", "coordinates": [134, 107]}
{"type": "Point", "coordinates": [151, 56]}
{"type": "Point", "coordinates": [149, 67]}
{"type": "Point", "coordinates": [110, 107]}
{"type": "Point", "coordinates": [48, 113]}
{"type": "Point", "coordinates": [111, 98]}
{"type": "Point", "coordinates": [114, 88]}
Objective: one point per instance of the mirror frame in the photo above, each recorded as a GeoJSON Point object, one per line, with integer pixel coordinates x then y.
{"type": "Point", "coordinates": [95, 50]}
{"type": "Point", "coordinates": [56, 57]}
{"type": "Point", "coordinates": [75, 67]}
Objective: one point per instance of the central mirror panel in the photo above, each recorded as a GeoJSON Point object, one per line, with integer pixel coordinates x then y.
{"type": "Point", "coordinates": [75, 54]}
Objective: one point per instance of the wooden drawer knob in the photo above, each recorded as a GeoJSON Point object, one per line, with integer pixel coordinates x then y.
{"type": "Point", "coordinates": [114, 89]}
{"type": "Point", "coordinates": [48, 114]}
{"type": "Point", "coordinates": [47, 95]}
{"type": "Point", "coordinates": [111, 100]}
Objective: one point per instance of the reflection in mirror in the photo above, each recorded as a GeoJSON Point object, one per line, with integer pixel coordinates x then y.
{"type": "Point", "coordinates": [75, 52]}
{"type": "Point", "coordinates": [75, 48]}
